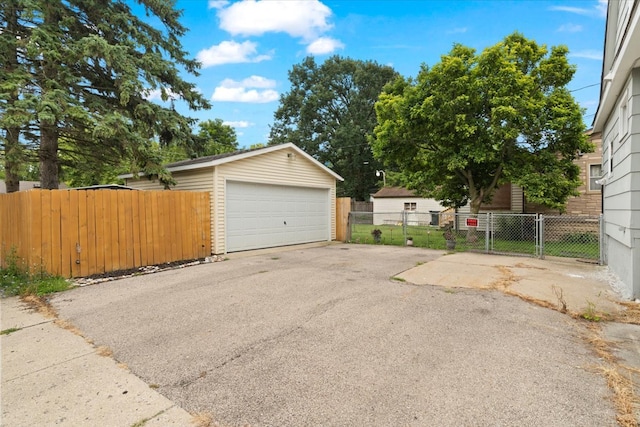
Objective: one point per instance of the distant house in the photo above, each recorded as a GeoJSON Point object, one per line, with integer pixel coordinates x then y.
{"type": "Point", "coordinates": [25, 185]}
{"type": "Point", "coordinates": [618, 120]}
{"type": "Point", "coordinates": [390, 203]}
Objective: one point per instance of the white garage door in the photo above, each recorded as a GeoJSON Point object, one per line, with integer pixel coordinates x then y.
{"type": "Point", "coordinates": [263, 216]}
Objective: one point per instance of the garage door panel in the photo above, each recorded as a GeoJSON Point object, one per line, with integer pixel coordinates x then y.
{"type": "Point", "coordinates": [261, 216]}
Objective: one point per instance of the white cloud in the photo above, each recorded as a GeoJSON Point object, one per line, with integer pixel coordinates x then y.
{"type": "Point", "coordinates": [218, 4]}
{"type": "Point", "coordinates": [254, 89]}
{"type": "Point", "coordinates": [300, 19]}
{"type": "Point", "coordinates": [156, 95]}
{"type": "Point", "coordinates": [324, 45]}
{"type": "Point", "coordinates": [588, 54]}
{"type": "Point", "coordinates": [230, 52]}
{"type": "Point", "coordinates": [459, 30]}
{"type": "Point", "coordinates": [571, 9]}
{"type": "Point", "coordinates": [253, 81]}
{"type": "Point", "coordinates": [600, 9]}
{"type": "Point", "coordinates": [570, 28]}
{"type": "Point", "coordinates": [238, 124]}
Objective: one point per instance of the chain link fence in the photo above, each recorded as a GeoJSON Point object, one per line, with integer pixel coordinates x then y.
{"type": "Point", "coordinates": [502, 233]}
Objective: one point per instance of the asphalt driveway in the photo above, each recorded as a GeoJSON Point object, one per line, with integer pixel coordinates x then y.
{"type": "Point", "coordinates": [325, 336]}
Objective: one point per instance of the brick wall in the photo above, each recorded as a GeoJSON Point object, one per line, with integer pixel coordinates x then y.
{"type": "Point", "coordinates": [589, 202]}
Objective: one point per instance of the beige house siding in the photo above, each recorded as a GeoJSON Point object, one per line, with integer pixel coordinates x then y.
{"type": "Point", "coordinates": [276, 168]}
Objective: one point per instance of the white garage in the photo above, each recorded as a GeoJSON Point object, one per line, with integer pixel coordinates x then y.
{"type": "Point", "coordinates": [272, 196]}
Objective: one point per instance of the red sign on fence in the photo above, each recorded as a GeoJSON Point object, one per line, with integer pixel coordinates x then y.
{"type": "Point", "coordinates": [472, 222]}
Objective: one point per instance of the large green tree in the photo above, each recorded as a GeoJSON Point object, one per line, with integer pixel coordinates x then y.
{"type": "Point", "coordinates": [76, 79]}
{"type": "Point", "coordinates": [476, 120]}
{"type": "Point", "coordinates": [329, 113]}
{"type": "Point", "coordinates": [214, 137]}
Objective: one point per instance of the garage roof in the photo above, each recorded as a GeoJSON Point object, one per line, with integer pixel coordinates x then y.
{"type": "Point", "coordinates": [219, 159]}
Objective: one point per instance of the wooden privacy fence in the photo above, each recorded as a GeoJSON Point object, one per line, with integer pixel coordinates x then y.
{"type": "Point", "coordinates": [76, 233]}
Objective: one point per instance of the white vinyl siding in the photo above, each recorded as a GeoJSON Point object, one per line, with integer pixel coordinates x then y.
{"type": "Point", "coordinates": [388, 210]}
{"type": "Point", "coordinates": [622, 189]}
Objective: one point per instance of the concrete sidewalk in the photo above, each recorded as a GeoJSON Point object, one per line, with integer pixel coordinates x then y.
{"type": "Point", "coordinates": [51, 376]}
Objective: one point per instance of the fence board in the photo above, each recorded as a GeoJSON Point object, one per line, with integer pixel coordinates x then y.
{"type": "Point", "coordinates": [169, 250]}
{"type": "Point", "coordinates": [45, 231]}
{"type": "Point", "coordinates": [128, 222]}
{"type": "Point", "coordinates": [74, 232]}
{"type": "Point", "coordinates": [148, 217]}
{"type": "Point", "coordinates": [56, 233]}
{"type": "Point", "coordinates": [175, 246]}
{"type": "Point", "coordinates": [65, 234]}
{"type": "Point", "coordinates": [106, 233]}
{"type": "Point", "coordinates": [343, 207]}
{"type": "Point", "coordinates": [142, 230]}
{"type": "Point", "coordinates": [35, 229]}
{"type": "Point", "coordinates": [83, 236]}
{"type": "Point", "coordinates": [99, 241]}
{"type": "Point", "coordinates": [135, 222]}
{"type": "Point", "coordinates": [90, 252]}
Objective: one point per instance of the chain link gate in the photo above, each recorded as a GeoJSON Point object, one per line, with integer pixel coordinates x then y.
{"type": "Point", "coordinates": [532, 235]}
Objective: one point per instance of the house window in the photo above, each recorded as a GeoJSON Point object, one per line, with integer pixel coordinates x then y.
{"type": "Point", "coordinates": [624, 116]}
{"type": "Point", "coordinates": [410, 206]}
{"type": "Point", "coordinates": [595, 173]}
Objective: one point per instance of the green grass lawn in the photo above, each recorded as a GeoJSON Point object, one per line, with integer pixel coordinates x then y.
{"type": "Point", "coordinates": [432, 238]}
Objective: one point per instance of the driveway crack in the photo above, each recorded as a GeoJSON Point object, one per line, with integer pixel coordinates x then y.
{"type": "Point", "coordinates": [318, 310]}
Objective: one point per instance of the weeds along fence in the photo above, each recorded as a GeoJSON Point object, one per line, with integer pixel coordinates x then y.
{"type": "Point", "coordinates": [75, 233]}
{"type": "Point", "coordinates": [504, 233]}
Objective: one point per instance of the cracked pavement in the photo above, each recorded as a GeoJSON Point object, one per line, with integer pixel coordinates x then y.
{"type": "Point", "coordinates": [325, 336]}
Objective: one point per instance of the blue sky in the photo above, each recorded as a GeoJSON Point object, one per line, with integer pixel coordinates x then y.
{"type": "Point", "coordinates": [247, 47]}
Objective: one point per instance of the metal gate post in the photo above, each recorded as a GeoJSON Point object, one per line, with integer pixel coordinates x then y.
{"type": "Point", "coordinates": [487, 232]}
{"type": "Point", "coordinates": [541, 236]}
{"type": "Point", "coordinates": [404, 225]}
{"type": "Point", "coordinates": [601, 239]}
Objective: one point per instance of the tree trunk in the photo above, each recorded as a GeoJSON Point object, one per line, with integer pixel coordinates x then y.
{"type": "Point", "coordinates": [49, 157]}
{"type": "Point", "coordinates": [474, 204]}
{"type": "Point", "coordinates": [12, 160]}
{"type": "Point", "coordinates": [49, 128]}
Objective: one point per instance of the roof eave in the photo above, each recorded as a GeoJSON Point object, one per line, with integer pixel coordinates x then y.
{"type": "Point", "coordinates": [246, 155]}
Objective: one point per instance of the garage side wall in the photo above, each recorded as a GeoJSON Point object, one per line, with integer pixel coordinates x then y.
{"type": "Point", "coordinates": [282, 167]}
{"type": "Point", "coordinates": [194, 180]}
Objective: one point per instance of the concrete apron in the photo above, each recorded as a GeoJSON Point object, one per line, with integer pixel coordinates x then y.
{"type": "Point", "coordinates": [582, 286]}
{"type": "Point", "coordinates": [585, 289]}
{"type": "Point", "coordinates": [51, 376]}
